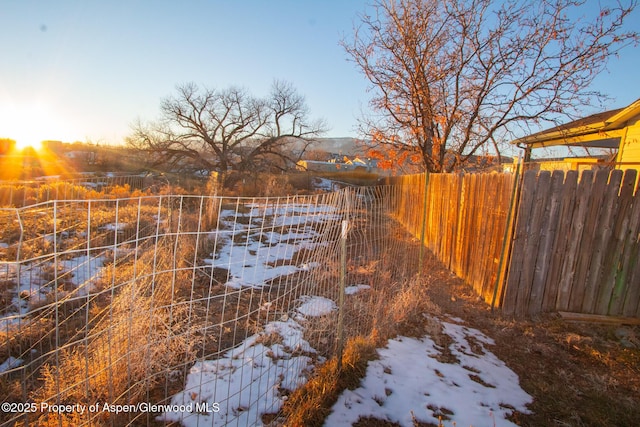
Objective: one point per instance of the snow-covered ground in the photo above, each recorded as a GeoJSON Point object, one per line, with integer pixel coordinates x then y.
{"type": "Point", "coordinates": [413, 379]}
{"type": "Point", "coordinates": [34, 287]}
{"type": "Point", "coordinates": [408, 382]}
{"type": "Point", "coordinates": [259, 245]}
{"type": "Point", "coordinates": [256, 243]}
{"type": "Point", "coordinates": [354, 289]}
{"type": "Point", "coordinates": [253, 378]}
{"type": "Point", "coordinates": [35, 284]}
{"type": "Point", "coordinates": [10, 363]}
{"type": "Point", "coordinates": [323, 184]}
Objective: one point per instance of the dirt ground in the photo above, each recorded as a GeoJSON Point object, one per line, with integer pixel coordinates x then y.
{"type": "Point", "coordinates": [579, 374]}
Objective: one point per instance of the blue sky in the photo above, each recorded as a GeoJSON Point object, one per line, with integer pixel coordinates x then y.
{"type": "Point", "coordinates": [86, 70]}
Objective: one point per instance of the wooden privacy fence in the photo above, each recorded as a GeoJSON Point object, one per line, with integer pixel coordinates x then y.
{"type": "Point", "coordinates": [575, 244]}
{"type": "Point", "coordinates": [461, 219]}
{"type": "Point", "coordinates": [555, 242]}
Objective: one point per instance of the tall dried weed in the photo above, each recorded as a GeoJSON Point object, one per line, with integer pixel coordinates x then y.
{"type": "Point", "coordinates": [142, 337]}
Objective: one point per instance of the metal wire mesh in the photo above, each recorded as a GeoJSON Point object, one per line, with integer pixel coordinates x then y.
{"type": "Point", "coordinates": [191, 309]}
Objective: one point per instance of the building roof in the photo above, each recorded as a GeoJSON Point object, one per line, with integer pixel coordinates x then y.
{"type": "Point", "coordinates": [602, 130]}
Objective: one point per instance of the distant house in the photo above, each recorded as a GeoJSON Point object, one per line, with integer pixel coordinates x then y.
{"type": "Point", "coordinates": [338, 165]}
{"type": "Point", "coordinates": [317, 166]}
{"type": "Point", "coordinates": [616, 129]}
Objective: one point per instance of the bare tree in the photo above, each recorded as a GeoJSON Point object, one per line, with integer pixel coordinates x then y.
{"type": "Point", "coordinates": [228, 130]}
{"type": "Point", "coordinates": [451, 76]}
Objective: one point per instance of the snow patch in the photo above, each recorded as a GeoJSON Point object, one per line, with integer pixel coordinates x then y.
{"type": "Point", "coordinates": [316, 306]}
{"type": "Point", "coordinates": [408, 381]}
{"type": "Point", "coordinates": [10, 363]}
{"type": "Point", "coordinates": [249, 380]}
{"type": "Point", "coordinates": [119, 226]}
{"type": "Point", "coordinates": [354, 289]}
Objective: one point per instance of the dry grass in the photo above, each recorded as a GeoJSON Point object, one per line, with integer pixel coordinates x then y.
{"type": "Point", "coordinates": [255, 185]}
{"type": "Point", "coordinates": [20, 194]}
{"type": "Point", "coordinates": [409, 311]}
{"type": "Point", "coordinates": [140, 329]}
{"type": "Point", "coordinates": [58, 315]}
{"type": "Point", "coordinates": [284, 184]}
{"type": "Point", "coordinates": [310, 404]}
{"type": "Point", "coordinates": [138, 338]}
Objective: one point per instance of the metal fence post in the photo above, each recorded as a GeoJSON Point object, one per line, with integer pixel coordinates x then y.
{"type": "Point", "coordinates": [343, 278]}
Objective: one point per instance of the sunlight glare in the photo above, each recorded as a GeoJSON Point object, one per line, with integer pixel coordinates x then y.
{"type": "Point", "coordinates": [29, 125]}
{"type": "Point", "coordinates": [36, 144]}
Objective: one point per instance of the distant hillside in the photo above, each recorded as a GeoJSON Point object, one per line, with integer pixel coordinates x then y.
{"type": "Point", "coordinates": [347, 146]}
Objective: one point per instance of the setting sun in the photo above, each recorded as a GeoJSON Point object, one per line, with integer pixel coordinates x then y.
{"type": "Point", "coordinates": [21, 144]}
{"type": "Point", "coordinates": [29, 125]}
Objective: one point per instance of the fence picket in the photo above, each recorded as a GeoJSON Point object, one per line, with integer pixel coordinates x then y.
{"type": "Point", "coordinates": [460, 243]}
{"type": "Point", "coordinates": [478, 235]}
{"type": "Point", "coordinates": [590, 257]}
{"type": "Point", "coordinates": [500, 206]}
{"type": "Point", "coordinates": [469, 222]}
{"type": "Point", "coordinates": [512, 288]}
{"type": "Point", "coordinates": [547, 234]}
{"type": "Point", "coordinates": [489, 237]}
{"type": "Point", "coordinates": [606, 229]}
{"type": "Point", "coordinates": [614, 298]}
{"type": "Point", "coordinates": [575, 238]}
{"type": "Point", "coordinates": [455, 207]}
{"type": "Point", "coordinates": [532, 240]}
{"type": "Point", "coordinates": [483, 236]}
{"type": "Point", "coordinates": [630, 261]}
{"type": "Point", "coordinates": [555, 292]}
{"type": "Point", "coordinates": [511, 198]}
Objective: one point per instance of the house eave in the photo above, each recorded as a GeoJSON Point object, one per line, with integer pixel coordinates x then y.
{"type": "Point", "coordinates": [602, 133]}
{"type": "Point", "coordinates": [595, 139]}
{"type": "Point", "coordinates": [620, 120]}
{"type": "Point", "coordinates": [559, 137]}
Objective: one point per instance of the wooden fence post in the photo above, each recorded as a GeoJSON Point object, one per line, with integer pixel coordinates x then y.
{"type": "Point", "coordinates": [506, 238]}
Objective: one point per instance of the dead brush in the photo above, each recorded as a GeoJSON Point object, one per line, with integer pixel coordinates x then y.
{"type": "Point", "coordinates": [410, 305]}
{"type": "Point", "coordinates": [211, 211]}
{"type": "Point", "coordinates": [7, 291]}
{"type": "Point", "coordinates": [310, 404]}
{"type": "Point", "coordinates": [320, 332]}
{"type": "Point", "coordinates": [403, 308]}
{"type": "Point", "coordinates": [14, 341]}
{"type": "Point", "coordinates": [142, 336]}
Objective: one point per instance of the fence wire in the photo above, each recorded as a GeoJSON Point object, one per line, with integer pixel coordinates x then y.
{"type": "Point", "coordinates": [190, 309]}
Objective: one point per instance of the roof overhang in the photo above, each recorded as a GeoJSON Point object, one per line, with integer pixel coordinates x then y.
{"type": "Point", "coordinates": [605, 132]}
{"type": "Point", "coordinates": [610, 139]}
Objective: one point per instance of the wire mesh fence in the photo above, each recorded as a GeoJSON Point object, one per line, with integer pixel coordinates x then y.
{"type": "Point", "coordinates": [190, 309]}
